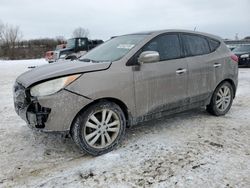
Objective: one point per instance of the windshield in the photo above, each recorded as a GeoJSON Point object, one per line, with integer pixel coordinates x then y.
{"type": "Point", "coordinates": [70, 43]}
{"type": "Point", "coordinates": [242, 48]}
{"type": "Point", "coordinates": [113, 49]}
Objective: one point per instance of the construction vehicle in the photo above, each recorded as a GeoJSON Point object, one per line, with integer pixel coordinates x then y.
{"type": "Point", "coordinates": [75, 48]}
{"type": "Point", "coordinates": [49, 55]}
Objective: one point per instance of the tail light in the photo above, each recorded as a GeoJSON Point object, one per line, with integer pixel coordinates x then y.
{"type": "Point", "coordinates": [235, 58]}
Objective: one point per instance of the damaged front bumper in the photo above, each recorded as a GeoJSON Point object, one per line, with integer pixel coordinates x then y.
{"type": "Point", "coordinates": [48, 113]}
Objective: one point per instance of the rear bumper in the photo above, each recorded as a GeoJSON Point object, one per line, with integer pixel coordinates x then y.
{"type": "Point", "coordinates": [50, 113]}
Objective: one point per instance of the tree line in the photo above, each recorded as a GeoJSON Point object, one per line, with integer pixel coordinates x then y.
{"type": "Point", "coordinates": [12, 45]}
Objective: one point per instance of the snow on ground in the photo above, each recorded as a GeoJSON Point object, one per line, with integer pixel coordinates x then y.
{"type": "Point", "coordinates": [191, 149]}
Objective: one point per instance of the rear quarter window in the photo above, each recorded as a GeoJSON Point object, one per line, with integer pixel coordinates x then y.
{"type": "Point", "coordinates": [213, 44]}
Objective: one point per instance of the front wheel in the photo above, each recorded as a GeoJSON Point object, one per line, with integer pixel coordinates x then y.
{"type": "Point", "coordinates": [222, 99]}
{"type": "Point", "coordinates": [99, 129]}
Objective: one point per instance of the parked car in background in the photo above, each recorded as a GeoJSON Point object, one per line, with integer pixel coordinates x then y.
{"type": "Point", "coordinates": [243, 53]}
{"type": "Point", "coordinates": [231, 47]}
{"type": "Point", "coordinates": [75, 48]}
{"type": "Point", "coordinates": [128, 79]}
{"type": "Point", "coordinates": [231, 44]}
{"type": "Point", "coordinates": [49, 56]}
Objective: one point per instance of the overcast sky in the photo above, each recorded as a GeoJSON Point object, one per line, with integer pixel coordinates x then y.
{"type": "Point", "coordinates": [51, 18]}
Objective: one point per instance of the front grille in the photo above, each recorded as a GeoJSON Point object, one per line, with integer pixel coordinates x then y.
{"type": "Point", "coordinates": [18, 86]}
{"type": "Point", "coordinates": [20, 101]}
{"type": "Point", "coordinates": [29, 109]}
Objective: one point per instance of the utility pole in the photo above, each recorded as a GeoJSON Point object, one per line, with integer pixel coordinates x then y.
{"type": "Point", "coordinates": [236, 36]}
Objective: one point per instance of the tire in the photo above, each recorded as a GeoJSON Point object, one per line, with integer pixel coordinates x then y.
{"type": "Point", "coordinates": [221, 100]}
{"type": "Point", "coordinates": [105, 119]}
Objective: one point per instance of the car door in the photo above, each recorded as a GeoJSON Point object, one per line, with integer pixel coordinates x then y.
{"type": "Point", "coordinates": [200, 66]}
{"type": "Point", "coordinates": [161, 85]}
{"type": "Point", "coordinates": [216, 63]}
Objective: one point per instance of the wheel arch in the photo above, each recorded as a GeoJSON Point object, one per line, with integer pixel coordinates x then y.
{"type": "Point", "coordinates": [231, 82]}
{"type": "Point", "coordinates": [211, 105]}
{"type": "Point", "coordinates": [225, 80]}
{"type": "Point", "coordinates": [121, 104]}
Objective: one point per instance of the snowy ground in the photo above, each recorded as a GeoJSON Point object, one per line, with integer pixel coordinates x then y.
{"type": "Point", "coordinates": [192, 149]}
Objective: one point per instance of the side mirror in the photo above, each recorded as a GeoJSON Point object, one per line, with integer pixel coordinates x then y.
{"type": "Point", "coordinates": [149, 57]}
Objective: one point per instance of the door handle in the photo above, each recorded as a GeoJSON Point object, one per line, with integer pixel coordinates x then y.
{"type": "Point", "coordinates": [181, 71]}
{"type": "Point", "coordinates": [217, 65]}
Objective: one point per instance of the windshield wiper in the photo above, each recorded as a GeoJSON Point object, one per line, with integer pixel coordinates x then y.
{"type": "Point", "coordinates": [88, 60]}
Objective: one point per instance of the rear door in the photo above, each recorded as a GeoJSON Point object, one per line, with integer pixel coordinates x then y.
{"type": "Point", "coordinates": [200, 66]}
{"type": "Point", "coordinates": [161, 85]}
{"type": "Point", "coordinates": [217, 58]}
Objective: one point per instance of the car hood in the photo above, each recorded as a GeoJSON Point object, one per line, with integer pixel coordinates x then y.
{"type": "Point", "coordinates": [59, 69]}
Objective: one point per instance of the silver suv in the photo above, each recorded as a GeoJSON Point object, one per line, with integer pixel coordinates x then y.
{"type": "Point", "coordinates": [127, 80]}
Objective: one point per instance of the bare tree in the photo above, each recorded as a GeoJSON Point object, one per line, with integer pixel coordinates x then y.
{"type": "Point", "coordinates": [80, 32]}
{"type": "Point", "coordinates": [1, 41]}
{"type": "Point", "coordinates": [60, 39]}
{"type": "Point", "coordinates": [10, 37]}
{"type": "Point", "coordinates": [1, 31]}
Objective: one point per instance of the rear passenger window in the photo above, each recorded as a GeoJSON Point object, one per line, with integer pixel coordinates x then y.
{"type": "Point", "coordinates": [195, 45]}
{"type": "Point", "coordinates": [213, 44]}
{"type": "Point", "coordinates": [167, 45]}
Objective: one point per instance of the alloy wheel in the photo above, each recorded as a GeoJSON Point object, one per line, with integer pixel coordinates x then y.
{"type": "Point", "coordinates": [223, 98]}
{"type": "Point", "coordinates": [102, 128]}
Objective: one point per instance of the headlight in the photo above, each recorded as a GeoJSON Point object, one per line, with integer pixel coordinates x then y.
{"type": "Point", "coordinates": [52, 86]}
{"type": "Point", "coordinates": [244, 56]}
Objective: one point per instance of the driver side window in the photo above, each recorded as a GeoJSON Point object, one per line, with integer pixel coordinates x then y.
{"type": "Point", "coordinates": [168, 46]}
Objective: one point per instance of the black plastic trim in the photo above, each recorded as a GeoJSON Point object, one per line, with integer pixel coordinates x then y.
{"type": "Point", "coordinates": [77, 94]}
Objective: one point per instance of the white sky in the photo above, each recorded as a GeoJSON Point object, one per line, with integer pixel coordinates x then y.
{"type": "Point", "coordinates": [51, 18]}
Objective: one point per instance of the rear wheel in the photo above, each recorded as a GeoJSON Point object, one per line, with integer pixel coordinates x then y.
{"type": "Point", "coordinates": [222, 99]}
{"type": "Point", "coordinates": [99, 129]}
